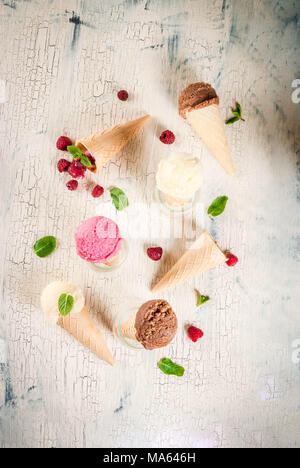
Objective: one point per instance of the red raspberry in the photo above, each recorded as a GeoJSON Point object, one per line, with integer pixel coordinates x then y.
{"type": "Point", "coordinates": [155, 253]}
{"type": "Point", "coordinates": [92, 161]}
{"type": "Point", "coordinates": [195, 333]}
{"type": "Point", "coordinates": [123, 95]}
{"type": "Point", "coordinates": [76, 169]}
{"type": "Point", "coordinates": [167, 137]}
{"type": "Point", "coordinates": [63, 142]}
{"type": "Point", "coordinates": [72, 185]}
{"type": "Point", "coordinates": [232, 260]}
{"type": "Point", "coordinates": [91, 158]}
{"type": "Point", "coordinates": [97, 191]}
{"type": "Point", "coordinates": [63, 165]}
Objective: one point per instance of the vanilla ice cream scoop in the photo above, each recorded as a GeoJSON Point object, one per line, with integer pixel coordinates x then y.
{"type": "Point", "coordinates": [180, 176]}
{"type": "Point", "coordinates": [52, 293]}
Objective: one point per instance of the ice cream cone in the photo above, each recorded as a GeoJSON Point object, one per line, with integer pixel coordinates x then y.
{"type": "Point", "coordinates": [82, 327]}
{"type": "Point", "coordinates": [104, 145]}
{"type": "Point", "coordinates": [128, 328]}
{"type": "Point", "coordinates": [209, 126]}
{"type": "Point", "coordinates": [203, 255]}
{"type": "Point", "coordinates": [175, 203]}
{"type": "Point", "coordinates": [114, 261]}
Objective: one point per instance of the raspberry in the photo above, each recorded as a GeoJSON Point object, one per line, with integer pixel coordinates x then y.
{"type": "Point", "coordinates": [232, 260]}
{"type": "Point", "coordinates": [97, 191]}
{"type": "Point", "coordinates": [155, 253]}
{"type": "Point", "coordinates": [92, 161]}
{"type": "Point", "coordinates": [195, 333]}
{"type": "Point", "coordinates": [76, 169]}
{"type": "Point", "coordinates": [63, 165]}
{"type": "Point", "coordinates": [123, 95]}
{"type": "Point", "coordinates": [91, 158]}
{"type": "Point", "coordinates": [167, 137]}
{"type": "Point", "coordinates": [63, 142]}
{"type": "Point", "coordinates": [72, 185]}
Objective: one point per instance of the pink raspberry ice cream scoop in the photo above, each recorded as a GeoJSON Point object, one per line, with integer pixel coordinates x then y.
{"type": "Point", "coordinates": [98, 240]}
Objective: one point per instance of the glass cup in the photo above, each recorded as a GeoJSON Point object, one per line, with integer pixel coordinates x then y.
{"type": "Point", "coordinates": [114, 263]}
{"type": "Point", "coordinates": [174, 206]}
{"type": "Point", "coordinates": [124, 328]}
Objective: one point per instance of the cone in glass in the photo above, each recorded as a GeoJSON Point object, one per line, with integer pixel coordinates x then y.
{"type": "Point", "coordinates": [175, 203]}
{"type": "Point", "coordinates": [106, 144]}
{"type": "Point", "coordinates": [151, 325]}
{"type": "Point", "coordinates": [128, 329]}
{"type": "Point", "coordinates": [199, 105]}
{"type": "Point", "coordinates": [178, 179]}
{"type": "Point", "coordinates": [203, 255]}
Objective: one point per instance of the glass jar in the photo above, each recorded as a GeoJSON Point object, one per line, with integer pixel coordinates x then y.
{"type": "Point", "coordinates": [124, 328]}
{"type": "Point", "coordinates": [115, 262]}
{"type": "Point", "coordinates": [174, 206]}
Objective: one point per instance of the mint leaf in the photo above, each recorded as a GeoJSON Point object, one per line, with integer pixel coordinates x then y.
{"type": "Point", "coordinates": [85, 161]}
{"type": "Point", "coordinates": [65, 304]}
{"type": "Point", "coordinates": [119, 198]}
{"type": "Point", "coordinates": [77, 154]}
{"type": "Point", "coordinates": [170, 368]}
{"type": "Point", "coordinates": [202, 299]}
{"type": "Point", "coordinates": [237, 115]}
{"type": "Point", "coordinates": [45, 246]}
{"type": "Point", "coordinates": [232, 120]}
{"type": "Point", "coordinates": [218, 206]}
{"type": "Point", "coordinates": [75, 151]}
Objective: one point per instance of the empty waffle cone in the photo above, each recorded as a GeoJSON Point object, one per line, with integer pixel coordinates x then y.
{"type": "Point", "coordinates": [209, 126]}
{"type": "Point", "coordinates": [203, 255]}
{"type": "Point", "coordinates": [106, 144]}
{"type": "Point", "coordinates": [82, 327]}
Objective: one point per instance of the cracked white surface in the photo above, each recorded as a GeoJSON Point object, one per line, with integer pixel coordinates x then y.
{"type": "Point", "coordinates": [241, 386]}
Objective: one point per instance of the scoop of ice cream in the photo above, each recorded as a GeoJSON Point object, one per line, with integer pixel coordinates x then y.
{"type": "Point", "coordinates": [98, 240]}
{"type": "Point", "coordinates": [51, 294]}
{"type": "Point", "coordinates": [179, 176]}
{"type": "Point", "coordinates": [196, 96]}
{"type": "Point", "coordinates": [155, 324]}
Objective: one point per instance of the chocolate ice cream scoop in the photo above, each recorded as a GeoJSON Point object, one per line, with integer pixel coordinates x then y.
{"type": "Point", "coordinates": [196, 96]}
{"type": "Point", "coordinates": [155, 324]}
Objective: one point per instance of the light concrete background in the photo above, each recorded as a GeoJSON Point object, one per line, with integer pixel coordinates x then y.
{"type": "Point", "coordinates": [62, 65]}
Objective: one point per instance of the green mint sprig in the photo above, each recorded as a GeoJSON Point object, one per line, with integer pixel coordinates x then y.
{"type": "Point", "coordinates": [45, 246]}
{"type": "Point", "coordinates": [65, 304]}
{"type": "Point", "coordinates": [237, 115]}
{"type": "Point", "coordinates": [218, 206]}
{"type": "Point", "coordinates": [170, 368]}
{"type": "Point", "coordinates": [78, 154]}
{"type": "Point", "coordinates": [201, 299]}
{"type": "Point", "coordinates": [119, 198]}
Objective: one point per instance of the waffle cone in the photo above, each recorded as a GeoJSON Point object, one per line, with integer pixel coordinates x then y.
{"type": "Point", "coordinates": [209, 126]}
{"type": "Point", "coordinates": [175, 202]}
{"type": "Point", "coordinates": [203, 255]}
{"type": "Point", "coordinates": [128, 328]}
{"type": "Point", "coordinates": [104, 145]}
{"type": "Point", "coordinates": [114, 261]}
{"type": "Point", "coordinates": [82, 327]}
